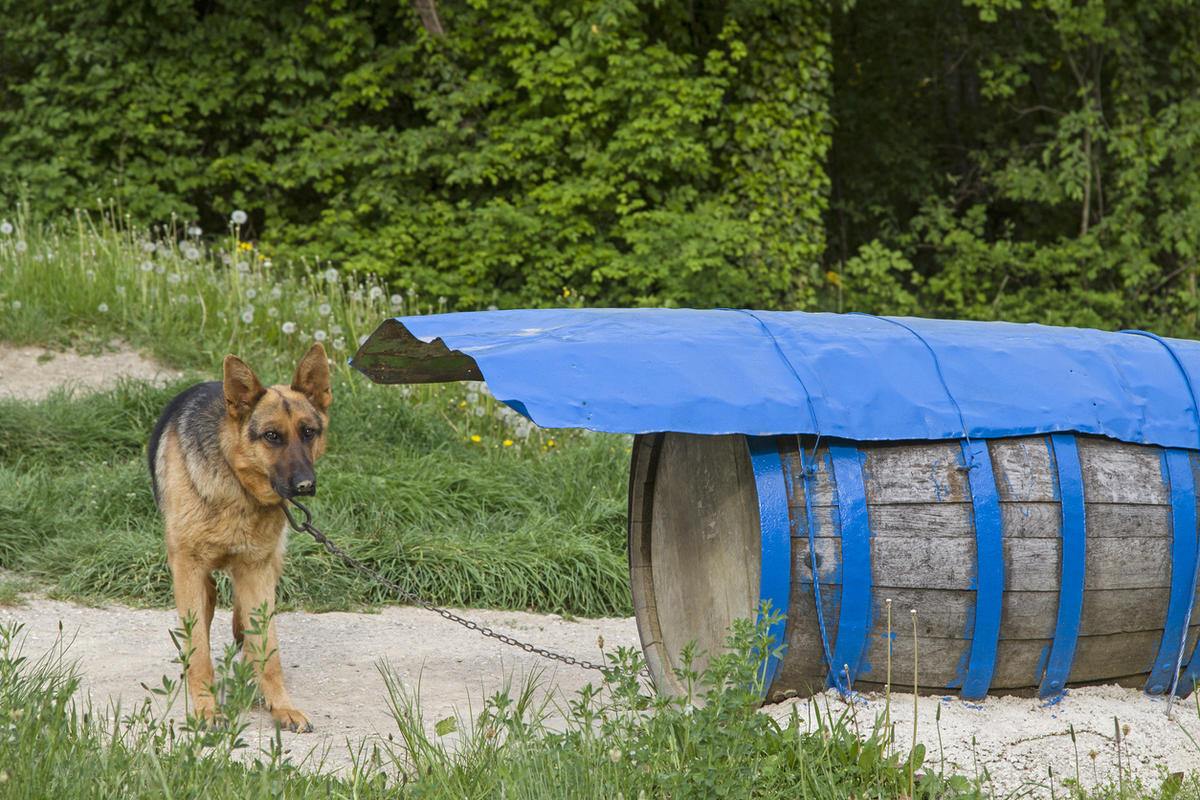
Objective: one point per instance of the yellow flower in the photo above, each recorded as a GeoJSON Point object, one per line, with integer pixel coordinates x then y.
{"type": "Point", "coordinates": [475, 438]}
{"type": "Point", "coordinates": [508, 442]}
{"type": "Point", "coordinates": [833, 278]}
{"type": "Point", "coordinates": [550, 443]}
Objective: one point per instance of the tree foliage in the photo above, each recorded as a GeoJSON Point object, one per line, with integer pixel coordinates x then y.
{"type": "Point", "coordinates": [502, 152]}
{"type": "Point", "coordinates": [1022, 159]}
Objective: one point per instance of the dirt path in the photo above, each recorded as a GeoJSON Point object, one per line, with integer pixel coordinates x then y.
{"type": "Point", "coordinates": [331, 661]}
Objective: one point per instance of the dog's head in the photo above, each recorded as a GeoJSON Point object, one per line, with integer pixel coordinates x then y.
{"type": "Point", "coordinates": [278, 431]}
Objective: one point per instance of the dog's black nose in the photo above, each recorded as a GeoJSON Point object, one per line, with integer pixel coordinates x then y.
{"type": "Point", "coordinates": [307, 486]}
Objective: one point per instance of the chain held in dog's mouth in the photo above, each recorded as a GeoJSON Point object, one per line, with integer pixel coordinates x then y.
{"type": "Point", "coordinates": [307, 527]}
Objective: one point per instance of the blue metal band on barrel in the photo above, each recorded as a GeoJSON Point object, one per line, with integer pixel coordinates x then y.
{"type": "Point", "coordinates": [1177, 475]}
{"type": "Point", "coordinates": [1192, 672]}
{"type": "Point", "coordinates": [776, 542]}
{"type": "Point", "coordinates": [989, 571]}
{"type": "Point", "coordinates": [1074, 552]}
{"type": "Point", "coordinates": [854, 618]}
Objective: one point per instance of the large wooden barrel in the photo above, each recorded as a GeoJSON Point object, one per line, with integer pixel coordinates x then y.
{"type": "Point", "coordinates": [1033, 563]}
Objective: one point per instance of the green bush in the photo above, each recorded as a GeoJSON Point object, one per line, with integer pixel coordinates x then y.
{"type": "Point", "coordinates": [600, 151]}
{"type": "Point", "coordinates": [1029, 161]}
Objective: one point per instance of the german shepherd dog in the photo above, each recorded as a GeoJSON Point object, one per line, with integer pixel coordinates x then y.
{"type": "Point", "coordinates": [224, 457]}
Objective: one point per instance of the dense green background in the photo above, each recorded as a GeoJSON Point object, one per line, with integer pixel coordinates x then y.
{"type": "Point", "coordinates": [964, 158]}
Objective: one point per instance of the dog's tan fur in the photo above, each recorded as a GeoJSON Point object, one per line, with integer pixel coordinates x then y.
{"type": "Point", "coordinates": [222, 505]}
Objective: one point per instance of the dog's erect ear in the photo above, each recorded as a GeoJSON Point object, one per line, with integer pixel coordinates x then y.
{"type": "Point", "coordinates": [312, 377]}
{"type": "Point", "coordinates": [242, 387]}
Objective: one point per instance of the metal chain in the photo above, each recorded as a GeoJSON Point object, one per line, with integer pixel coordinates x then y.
{"type": "Point", "coordinates": [307, 527]}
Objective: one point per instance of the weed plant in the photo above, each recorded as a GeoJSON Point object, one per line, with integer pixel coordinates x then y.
{"type": "Point", "coordinates": [614, 740]}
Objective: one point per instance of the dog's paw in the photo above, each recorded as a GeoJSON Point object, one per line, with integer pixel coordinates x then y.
{"type": "Point", "coordinates": [292, 719]}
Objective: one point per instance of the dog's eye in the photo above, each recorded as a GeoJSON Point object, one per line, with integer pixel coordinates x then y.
{"type": "Point", "coordinates": [271, 436]}
{"type": "Point", "coordinates": [308, 432]}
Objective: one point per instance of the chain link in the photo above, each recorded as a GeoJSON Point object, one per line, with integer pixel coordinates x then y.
{"type": "Point", "coordinates": [307, 527]}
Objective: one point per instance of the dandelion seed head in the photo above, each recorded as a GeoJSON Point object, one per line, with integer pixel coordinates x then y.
{"type": "Point", "coordinates": [251, 294]}
{"type": "Point", "coordinates": [324, 309]}
{"type": "Point", "coordinates": [331, 275]}
{"type": "Point", "coordinates": [149, 247]}
{"type": "Point", "coordinates": [276, 292]}
{"type": "Point", "coordinates": [160, 270]}
{"type": "Point", "coordinates": [121, 291]}
{"type": "Point", "coordinates": [375, 293]}
{"type": "Point", "coordinates": [183, 299]}
{"type": "Point", "coordinates": [272, 312]}
{"type": "Point", "coordinates": [174, 279]}
{"type": "Point", "coordinates": [397, 300]}
{"type": "Point", "coordinates": [320, 335]}
{"type": "Point", "coordinates": [195, 231]}
{"type": "Point", "coordinates": [16, 304]}
{"type": "Point", "coordinates": [247, 317]}
{"type": "Point", "coordinates": [146, 266]}
{"type": "Point", "coordinates": [191, 254]}
{"type": "Point", "coordinates": [289, 327]}
{"type": "Point", "coordinates": [102, 308]}
{"type": "Point", "coordinates": [21, 246]}
{"type": "Point", "coordinates": [91, 274]}
{"type": "Point", "coordinates": [238, 217]}
{"type": "Point", "coordinates": [6, 227]}
{"type": "Point", "coordinates": [339, 343]}
{"type": "Point", "coordinates": [336, 330]}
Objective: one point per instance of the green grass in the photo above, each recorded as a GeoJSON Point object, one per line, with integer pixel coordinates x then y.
{"type": "Point", "coordinates": [440, 488]}
{"type": "Point", "coordinates": [458, 522]}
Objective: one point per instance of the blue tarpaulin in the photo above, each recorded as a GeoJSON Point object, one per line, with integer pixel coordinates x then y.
{"type": "Point", "coordinates": [849, 376]}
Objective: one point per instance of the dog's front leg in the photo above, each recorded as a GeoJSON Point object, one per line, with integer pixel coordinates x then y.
{"type": "Point", "coordinates": [254, 590]}
{"type": "Point", "coordinates": [195, 599]}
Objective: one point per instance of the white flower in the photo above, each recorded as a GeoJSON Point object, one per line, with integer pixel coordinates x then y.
{"type": "Point", "coordinates": [336, 330]}
{"type": "Point", "coordinates": [267, 263]}
{"type": "Point", "coordinates": [21, 246]}
{"type": "Point", "coordinates": [339, 343]}
{"type": "Point", "coordinates": [243, 266]}
{"type": "Point", "coordinates": [397, 300]}
{"type": "Point", "coordinates": [272, 312]}
{"type": "Point", "coordinates": [248, 316]}
{"type": "Point", "coordinates": [320, 335]}
{"type": "Point", "coordinates": [191, 254]}
{"type": "Point", "coordinates": [174, 279]}
{"type": "Point", "coordinates": [375, 293]}
{"type": "Point", "coordinates": [146, 266]}
{"type": "Point", "coordinates": [276, 292]}
{"type": "Point", "coordinates": [289, 327]}
{"type": "Point", "coordinates": [331, 275]}
{"type": "Point", "coordinates": [149, 247]}
{"type": "Point", "coordinates": [102, 308]}
{"type": "Point", "coordinates": [324, 309]}
{"type": "Point", "coordinates": [251, 293]}
{"type": "Point", "coordinates": [238, 217]}
{"type": "Point", "coordinates": [16, 305]}
{"type": "Point", "coordinates": [160, 270]}
{"type": "Point", "coordinates": [195, 231]}
{"type": "Point", "coordinates": [6, 227]}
